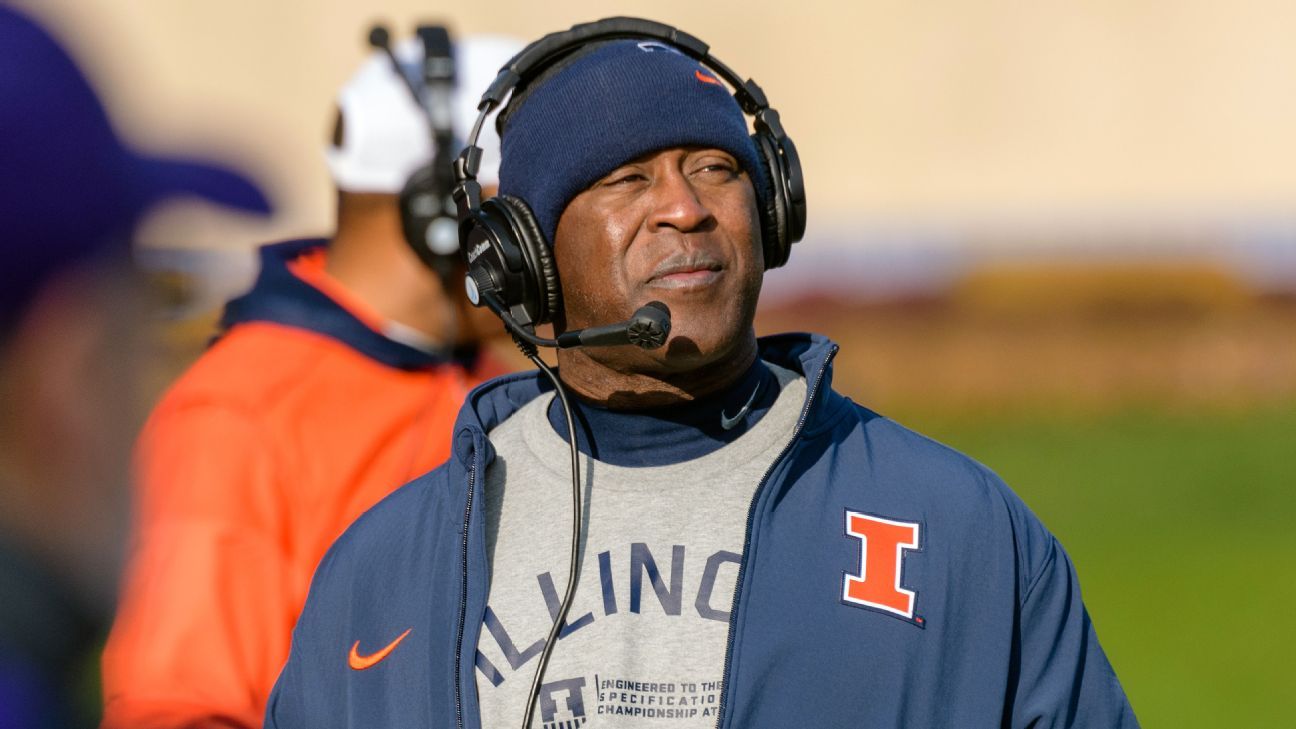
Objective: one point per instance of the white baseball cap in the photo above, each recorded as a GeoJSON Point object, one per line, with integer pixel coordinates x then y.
{"type": "Point", "coordinates": [385, 136]}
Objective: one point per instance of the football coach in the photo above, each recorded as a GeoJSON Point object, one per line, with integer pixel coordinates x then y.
{"type": "Point", "coordinates": [741, 546]}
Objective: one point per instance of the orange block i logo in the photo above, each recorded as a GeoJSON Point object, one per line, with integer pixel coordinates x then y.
{"type": "Point", "coordinates": [883, 543]}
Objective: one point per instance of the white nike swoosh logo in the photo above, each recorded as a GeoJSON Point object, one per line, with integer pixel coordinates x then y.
{"type": "Point", "coordinates": [727, 422]}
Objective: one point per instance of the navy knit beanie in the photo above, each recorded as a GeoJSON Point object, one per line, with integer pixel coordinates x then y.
{"type": "Point", "coordinates": [615, 103]}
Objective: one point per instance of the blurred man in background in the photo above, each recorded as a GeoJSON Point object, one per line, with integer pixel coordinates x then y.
{"type": "Point", "coordinates": [71, 325]}
{"type": "Point", "coordinates": [335, 380]}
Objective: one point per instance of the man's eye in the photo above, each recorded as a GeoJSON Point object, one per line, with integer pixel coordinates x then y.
{"type": "Point", "coordinates": [622, 179]}
{"type": "Point", "coordinates": [717, 169]}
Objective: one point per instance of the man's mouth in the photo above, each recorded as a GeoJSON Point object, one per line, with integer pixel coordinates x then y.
{"type": "Point", "coordinates": [688, 273]}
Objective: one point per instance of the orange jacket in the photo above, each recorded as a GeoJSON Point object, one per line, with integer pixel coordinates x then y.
{"type": "Point", "coordinates": [296, 421]}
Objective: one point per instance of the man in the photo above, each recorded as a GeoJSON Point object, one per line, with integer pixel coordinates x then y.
{"type": "Point", "coordinates": [72, 322]}
{"type": "Point", "coordinates": [335, 380]}
{"type": "Point", "coordinates": [757, 550]}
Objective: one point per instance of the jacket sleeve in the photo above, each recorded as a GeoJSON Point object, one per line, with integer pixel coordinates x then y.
{"type": "Point", "coordinates": [312, 691]}
{"type": "Point", "coordinates": [306, 694]}
{"type": "Point", "coordinates": [1063, 676]}
{"type": "Point", "coordinates": [284, 709]}
{"type": "Point", "coordinates": [204, 622]}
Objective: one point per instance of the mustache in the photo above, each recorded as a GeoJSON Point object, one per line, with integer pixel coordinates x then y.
{"type": "Point", "coordinates": [686, 261]}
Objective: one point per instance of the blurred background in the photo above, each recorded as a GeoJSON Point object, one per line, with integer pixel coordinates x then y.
{"type": "Point", "coordinates": [1060, 237]}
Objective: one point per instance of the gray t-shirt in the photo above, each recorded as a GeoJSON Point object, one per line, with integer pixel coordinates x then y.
{"type": "Point", "coordinates": [645, 639]}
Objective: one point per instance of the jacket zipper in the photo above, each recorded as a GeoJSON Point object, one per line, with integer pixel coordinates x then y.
{"type": "Point", "coordinates": [463, 596]}
{"type": "Point", "coordinates": [751, 517]}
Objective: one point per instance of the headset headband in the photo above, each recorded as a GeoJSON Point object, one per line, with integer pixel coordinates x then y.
{"type": "Point", "coordinates": [535, 58]}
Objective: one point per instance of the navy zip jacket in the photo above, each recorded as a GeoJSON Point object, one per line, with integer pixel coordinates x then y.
{"type": "Point", "coordinates": [886, 581]}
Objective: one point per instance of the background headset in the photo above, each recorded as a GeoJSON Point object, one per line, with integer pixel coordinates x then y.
{"type": "Point", "coordinates": [510, 265]}
{"type": "Point", "coordinates": [429, 218]}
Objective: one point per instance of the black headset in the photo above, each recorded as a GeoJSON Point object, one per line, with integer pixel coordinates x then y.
{"type": "Point", "coordinates": [510, 266]}
{"type": "Point", "coordinates": [429, 218]}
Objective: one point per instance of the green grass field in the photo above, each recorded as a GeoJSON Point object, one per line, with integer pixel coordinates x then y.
{"type": "Point", "coordinates": [1183, 529]}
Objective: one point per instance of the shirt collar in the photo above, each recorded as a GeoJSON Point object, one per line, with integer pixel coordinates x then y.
{"type": "Point", "coordinates": [283, 296]}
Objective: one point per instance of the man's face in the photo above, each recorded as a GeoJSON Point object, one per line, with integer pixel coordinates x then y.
{"type": "Point", "coordinates": [679, 226]}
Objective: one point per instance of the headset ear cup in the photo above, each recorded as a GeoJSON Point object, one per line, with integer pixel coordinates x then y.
{"type": "Point", "coordinates": [428, 223]}
{"type": "Point", "coordinates": [793, 184]}
{"type": "Point", "coordinates": [774, 223]}
{"type": "Point", "coordinates": [413, 225]}
{"type": "Point", "coordinates": [539, 258]}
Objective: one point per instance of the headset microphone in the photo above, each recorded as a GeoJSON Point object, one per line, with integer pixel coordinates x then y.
{"type": "Point", "coordinates": [648, 328]}
{"type": "Point", "coordinates": [380, 39]}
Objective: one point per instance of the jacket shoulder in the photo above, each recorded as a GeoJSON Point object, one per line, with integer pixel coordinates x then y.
{"type": "Point", "coordinates": [946, 487]}
{"type": "Point", "coordinates": [922, 452]}
{"type": "Point", "coordinates": [396, 524]}
{"type": "Point", "coordinates": [252, 366]}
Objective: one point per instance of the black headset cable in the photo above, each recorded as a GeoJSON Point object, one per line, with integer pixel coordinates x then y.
{"type": "Point", "coordinates": [560, 619]}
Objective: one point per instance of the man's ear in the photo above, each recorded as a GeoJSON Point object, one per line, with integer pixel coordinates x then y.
{"type": "Point", "coordinates": [72, 370]}
{"type": "Point", "coordinates": [49, 355]}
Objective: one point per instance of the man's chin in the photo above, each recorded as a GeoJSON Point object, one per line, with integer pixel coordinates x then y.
{"type": "Point", "coordinates": [684, 352]}
{"type": "Point", "coordinates": [689, 350]}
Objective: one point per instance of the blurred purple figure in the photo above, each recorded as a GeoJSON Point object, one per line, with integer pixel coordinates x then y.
{"type": "Point", "coordinates": [70, 321]}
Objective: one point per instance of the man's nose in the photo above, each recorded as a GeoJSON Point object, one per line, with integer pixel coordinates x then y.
{"type": "Point", "coordinates": [676, 204]}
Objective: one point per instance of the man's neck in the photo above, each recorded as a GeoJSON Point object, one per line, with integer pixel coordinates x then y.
{"type": "Point", "coordinates": [600, 384]}
{"type": "Point", "coordinates": [369, 256]}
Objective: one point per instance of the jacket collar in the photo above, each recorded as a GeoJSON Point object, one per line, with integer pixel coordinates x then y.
{"type": "Point", "coordinates": [280, 297]}
{"type": "Point", "coordinates": [494, 401]}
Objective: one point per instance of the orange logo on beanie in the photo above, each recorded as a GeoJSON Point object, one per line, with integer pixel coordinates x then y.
{"type": "Point", "coordinates": [706, 79]}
